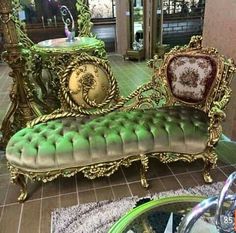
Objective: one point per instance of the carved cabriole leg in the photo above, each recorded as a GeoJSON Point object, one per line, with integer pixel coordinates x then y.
{"type": "Point", "coordinates": [210, 163]}
{"type": "Point", "coordinates": [143, 170]}
{"type": "Point", "coordinates": [20, 180]}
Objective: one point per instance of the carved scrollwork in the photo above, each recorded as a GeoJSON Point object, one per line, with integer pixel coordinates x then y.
{"type": "Point", "coordinates": [84, 18]}
{"type": "Point", "coordinates": [20, 26]}
{"type": "Point", "coordinates": [18, 176]}
{"type": "Point", "coordinates": [208, 156]}
{"type": "Point", "coordinates": [167, 157]}
{"type": "Point", "coordinates": [90, 171]}
{"type": "Point", "coordinates": [105, 169]}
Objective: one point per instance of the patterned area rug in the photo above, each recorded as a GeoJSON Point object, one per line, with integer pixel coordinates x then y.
{"type": "Point", "coordinates": [98, 217]}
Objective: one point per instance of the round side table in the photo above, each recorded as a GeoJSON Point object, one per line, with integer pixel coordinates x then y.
{"type": "Point", "coordinates": [45, 60]}
{"type": "Point", "coordinates": [59, 46]}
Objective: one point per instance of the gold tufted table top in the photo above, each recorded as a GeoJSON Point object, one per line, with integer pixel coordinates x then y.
{"type": "Point", "coordinates": [74, 142]}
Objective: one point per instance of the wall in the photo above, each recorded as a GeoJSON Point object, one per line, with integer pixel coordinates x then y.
{"type": "Point", "coordinates": [220, 32]}
{"type": "Point", "coordinates": [220, 26]}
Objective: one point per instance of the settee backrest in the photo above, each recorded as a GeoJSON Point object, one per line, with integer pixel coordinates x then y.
{"type": "Point", "coordinates": [190, 77]}
{"type": "Point", "coordinates": [196, 76]}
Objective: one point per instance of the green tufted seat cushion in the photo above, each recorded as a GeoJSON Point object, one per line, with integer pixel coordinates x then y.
{"type": "Point", "coordinates": [73, 142]}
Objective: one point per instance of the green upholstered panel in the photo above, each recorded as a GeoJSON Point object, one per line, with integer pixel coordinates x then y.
{"type": "Point", "coordinates": [72, 141]}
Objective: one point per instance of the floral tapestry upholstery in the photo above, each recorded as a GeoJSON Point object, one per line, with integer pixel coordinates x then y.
{"type": "Point", "coordinates": [191, 76]}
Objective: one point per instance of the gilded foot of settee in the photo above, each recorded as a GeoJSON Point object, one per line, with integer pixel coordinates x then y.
{"type": "Point", "coordinates": [144, 182]}
{"type": "Point", "coordinates": [206, 172]}
{"type": "Point", "coordinates": [207, 177]}
{"type": "Point", "coordinates": [210, 163]}
{"type": "Point", "coordinates": [143, 171]}
{"type": "Point", "coordinates": [20, 180]}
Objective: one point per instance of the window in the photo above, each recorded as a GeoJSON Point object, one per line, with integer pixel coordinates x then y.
{"type": "Point", "coordinates": [181, 6]}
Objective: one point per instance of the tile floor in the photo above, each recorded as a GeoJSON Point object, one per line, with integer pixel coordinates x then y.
{"type": "Point", "coordinates": [65, 192]}
{"type": "Point", "coordinates": [34, 215]}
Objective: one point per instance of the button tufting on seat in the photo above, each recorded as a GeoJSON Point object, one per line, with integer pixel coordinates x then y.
{"type": "Point", "coordinates": [77, 142]}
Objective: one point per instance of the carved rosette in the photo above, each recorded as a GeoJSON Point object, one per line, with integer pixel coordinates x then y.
{"type": "Point", "coordinates": [88, 84]}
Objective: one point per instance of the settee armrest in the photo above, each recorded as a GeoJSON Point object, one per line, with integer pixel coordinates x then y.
{"type": "Point", "coordinates": [59, 113]}
{"type": "Point", "coordinates": [216, 116]}
{"type": "Point", "coordinates": [217, 107]}
{"type": "Point", "coordinates": [145, 95]}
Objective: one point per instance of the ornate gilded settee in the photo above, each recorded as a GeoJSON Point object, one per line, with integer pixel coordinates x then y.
{"type": "Point", "coordinates": [177, 115]}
